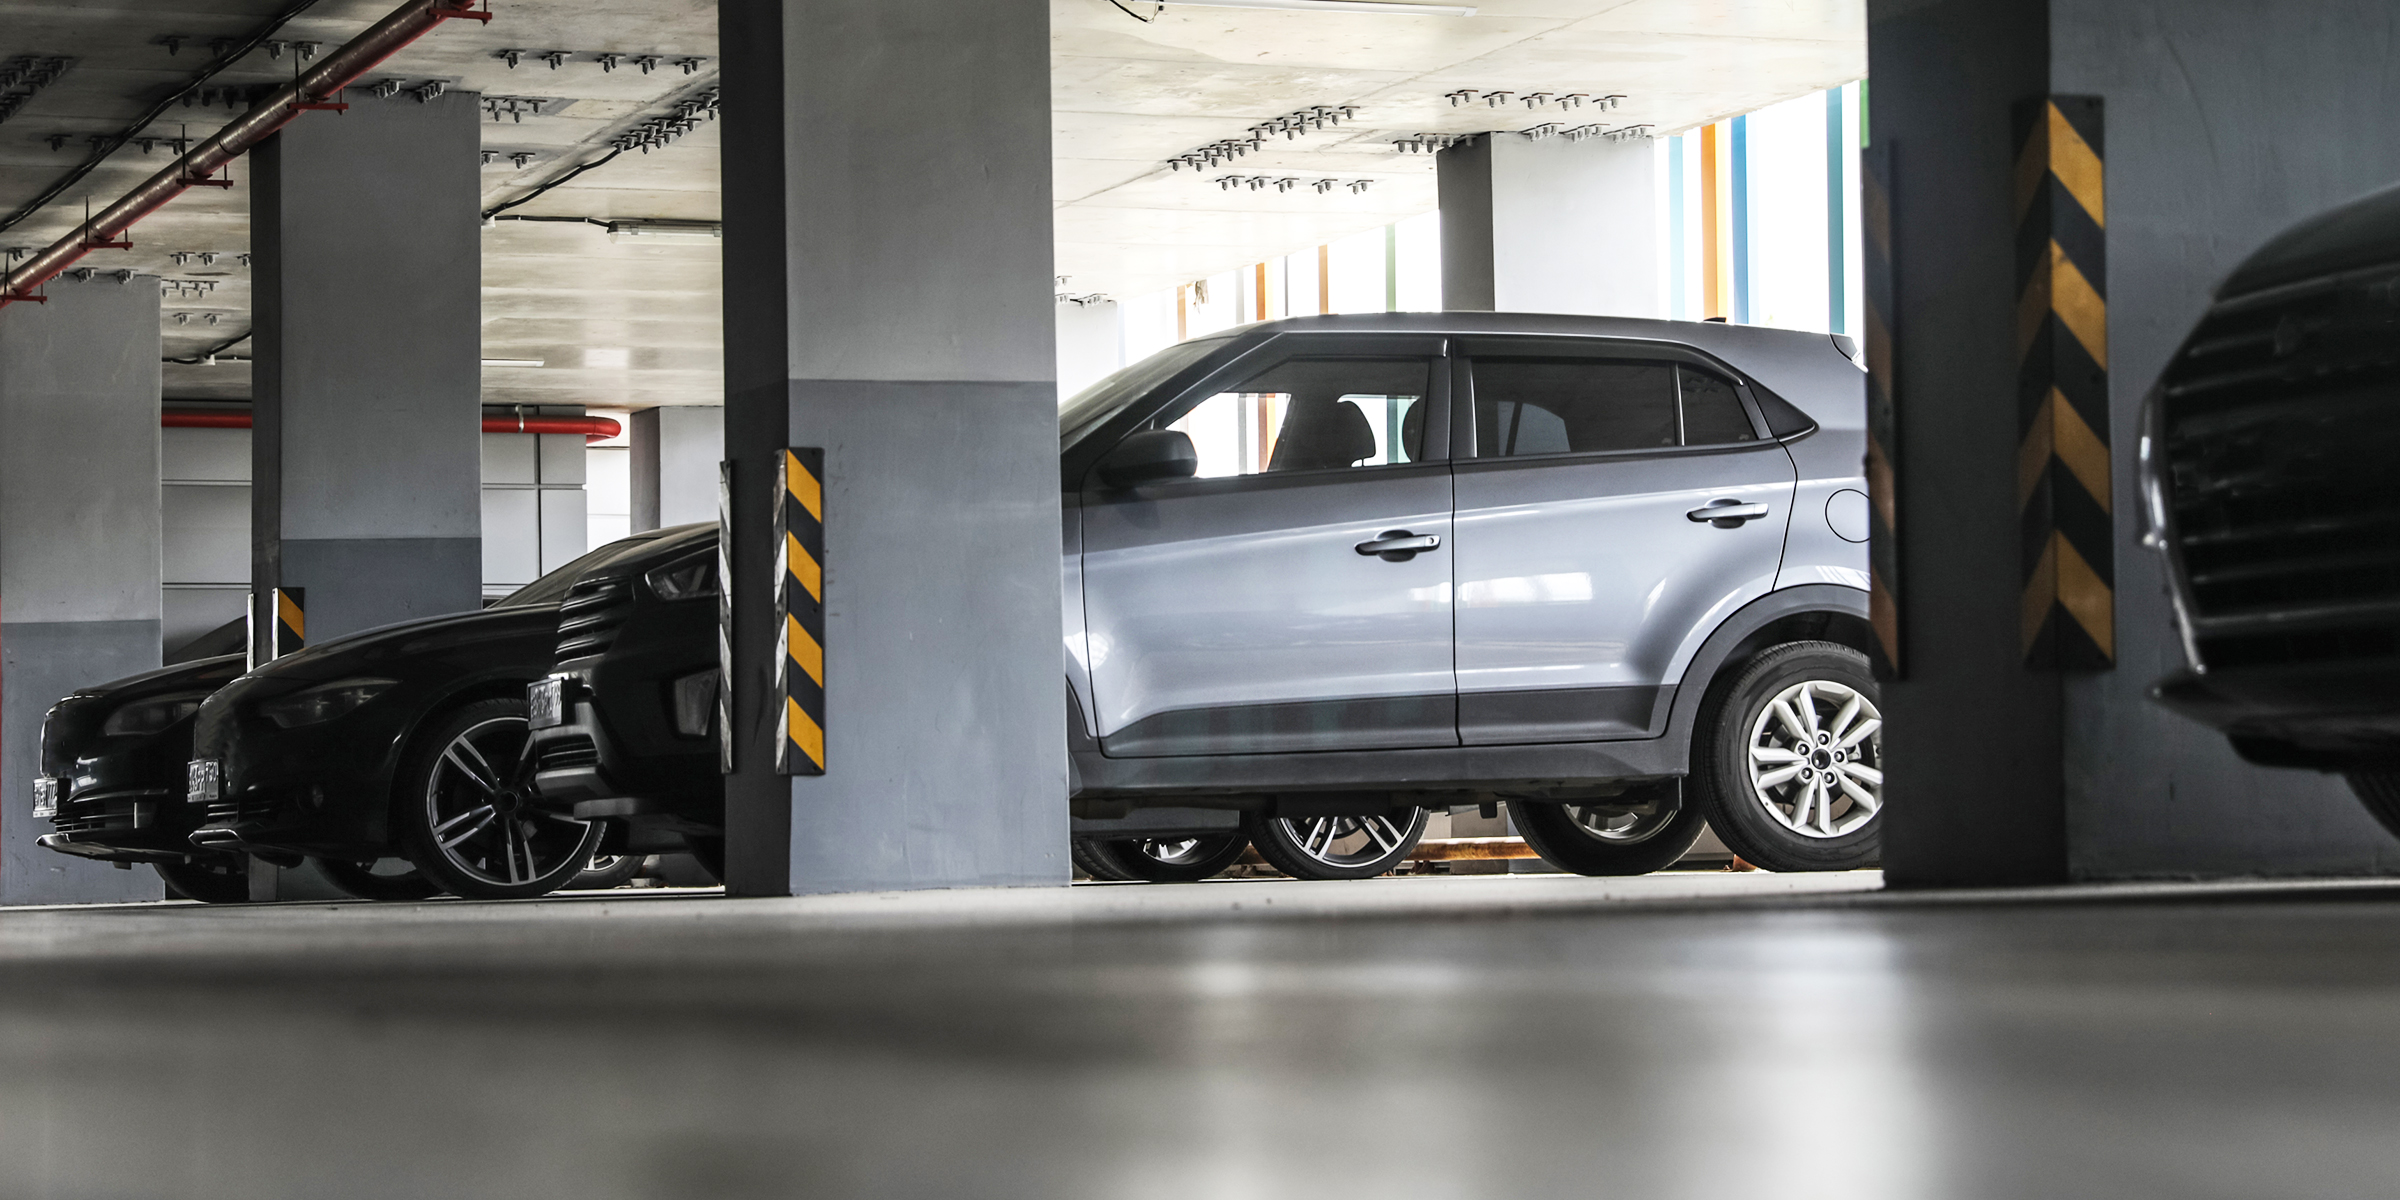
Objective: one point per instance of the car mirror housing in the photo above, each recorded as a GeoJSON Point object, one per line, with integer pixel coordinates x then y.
{"type": "Point", "coordinates": [1150, 456]}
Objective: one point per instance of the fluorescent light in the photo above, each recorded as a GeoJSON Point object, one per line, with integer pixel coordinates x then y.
{"type": "Point", "coordinates": [681, 231]}
{"type": "Point", "coordinates": [1385, 7]}
{"type": "Point", "coordinates": [607, 358]}
{"type": "Point", "coordinates": [512, 362]}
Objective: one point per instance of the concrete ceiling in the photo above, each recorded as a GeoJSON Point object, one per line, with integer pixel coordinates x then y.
{"type": "Point", "coordinates": [635, 323]}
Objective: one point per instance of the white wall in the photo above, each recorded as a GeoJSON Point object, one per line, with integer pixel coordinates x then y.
{"type": "Point", "coordinates": [1575, 226]}
{"type": "Point", "coordinates": [1091, 344]}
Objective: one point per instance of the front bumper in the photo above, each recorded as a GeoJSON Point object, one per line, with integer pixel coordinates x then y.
{"type": "Point", "coordinates": [582, 771]}
{"type": "Point", "coordinates": [2326, 718]}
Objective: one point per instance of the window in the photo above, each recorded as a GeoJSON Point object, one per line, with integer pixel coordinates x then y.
{"type": "Point", "coordinates": [1584, 406]}
{"type": "Point", "coordinates": [1311, 414]}
{"type": "Point", "coordinates": [1712, 413]}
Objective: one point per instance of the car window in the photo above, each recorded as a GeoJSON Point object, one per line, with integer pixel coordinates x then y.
{"type": "Point", "coordinates": [1572, 405]}
{"type": "Point", "coordinates": [1712, 411]}
{"type": "Point", "coordinates": [1310, 414]}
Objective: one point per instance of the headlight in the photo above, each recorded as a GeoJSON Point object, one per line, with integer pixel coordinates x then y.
{"type": "Point", "coordinates": [144, 717]}
{"type": "Point", "coordinates": [323, 702]}
{"type": "Point", "coordinates": [694, 576]}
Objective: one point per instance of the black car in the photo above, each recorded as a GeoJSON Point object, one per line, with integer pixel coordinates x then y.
{"type": "Point", "coordinates": [406, 741]}
{"type": "Point", "coordinates": [112, 776]}
{"type": "Point", "coordinates": [2264, 448]}
{"type": "Point", "coordinates": [625, 727]}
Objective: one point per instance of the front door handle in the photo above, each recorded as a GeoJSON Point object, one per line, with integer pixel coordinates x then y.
{"type": "Point", "coordinates": [1726, 514]}
{"type": "Point", "coordinates": [1398, 545]}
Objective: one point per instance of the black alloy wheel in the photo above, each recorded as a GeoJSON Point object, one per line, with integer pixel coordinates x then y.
{"type": "Point", "coordinates": [1350, 847]}
{"type": "Point", "coordinates": [1643, 830]}
{"type": "Point", "coordinates": [466, 809]}
{"type": "Point", "coordinates": [208, 878]}
{"type": "Point", "coordinates": [382, 879]}
{"type": "Point", "coordinates": [1787, 759]}
{"type": "Point", "coordinates": [605, 871]}
{"type": "Point", "coordinates": [1160, 859]}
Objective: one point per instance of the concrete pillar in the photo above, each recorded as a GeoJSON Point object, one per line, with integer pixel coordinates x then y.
{"type": "Point", "coordinates": [1550, 225]}
{"type": "Point", "coordinates": [675, 456]}
{"type": "Point", "coordinates": [79, 544]}
{"type": "Point", "coordinates": [367, 379]}
{"type": "Point", "coordinates": [888, 297]}
{"type": "Point", "coordinates": [2000, 772]}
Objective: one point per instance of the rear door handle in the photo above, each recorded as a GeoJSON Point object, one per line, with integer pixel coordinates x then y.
{"type": "Point", "coordinates": [1399, 545]}
{"type": "Point", "coordinates": [1726, 514]}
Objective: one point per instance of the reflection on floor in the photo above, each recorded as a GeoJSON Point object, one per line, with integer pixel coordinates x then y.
{"type": "Point", "coordinates": [1694, 1035]}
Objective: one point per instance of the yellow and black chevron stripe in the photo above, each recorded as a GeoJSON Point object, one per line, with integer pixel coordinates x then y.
{"type": "Point", "coordinates": [291, 620]}
{"type": "Point", "coordinates": [2067, 611]}
{"type": "Point", "coordinates": [1882, 312]}
{"type": "Point", "coordinates": [800, 610]}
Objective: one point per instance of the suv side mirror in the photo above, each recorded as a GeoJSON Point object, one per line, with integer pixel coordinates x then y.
{"type": "Point", "coordinates": [1149, 456]}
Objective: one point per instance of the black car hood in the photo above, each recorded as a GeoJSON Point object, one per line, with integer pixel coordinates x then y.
{"type": "Point", "coordinates": [330, 659]}
{"type": "Point", "coordinates": [2362, 233]}
{"type": "Point", "coordinates": [221, 669]}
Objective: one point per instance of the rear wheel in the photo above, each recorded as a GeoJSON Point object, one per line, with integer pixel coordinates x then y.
{"type": "Point", "coordinates": [1096, 863]}
{"type": "Point", "coordinates": [209, 879]}
{"type": "Point", "coordinates": [605, 871]}
{"type": "Point", "coordinates": [383, 879]}
{"type": "Point", "coordinates": [1162, 859]}
{"type": "Point", "coordinates": [1643, 830]}
{"type": "Point", "coordinates": [2379, 793]}
{"type": "Point", "coordinates": [1357, 847]}
{"type": "Point", "coordinates": [467, 811]}
{"type": "Point", "coordinates": [1788, 762]}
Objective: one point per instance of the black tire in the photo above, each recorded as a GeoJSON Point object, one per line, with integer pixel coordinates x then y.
{"type": "Point", "coordinates": [1097, 864]}
{"type": "Point", "coordinates": [1822, 789]}
{"type": "Point", "coordinates": [709, 852]}
{"type": "Point", "coordinates": [2379, 793]}
{"type": "Point", "coordinates": [209, 879]}
{"type": "Point", "coordinates": [1335, 847]}
{"type": "Point", "coordinates": [463, 812]}
{"type": "Point", "coordinates": [1163, 860]}
{"type": "Point", "coordinates": [604, 872]}
{"type": "Point", "coordinates": [379, 880]}
{"type": "Point", "coordinates": [1604, 839]}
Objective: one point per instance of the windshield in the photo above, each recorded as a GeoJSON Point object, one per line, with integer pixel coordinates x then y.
{"type": "Point", "coordinates": [553, 587]}
{"type": "Point", "coordinates": [1108, 397]}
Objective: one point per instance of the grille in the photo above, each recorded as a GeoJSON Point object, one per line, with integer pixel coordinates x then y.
{"type": "Point", "coordinates": [588, 619]}
{"type": "Point", "coordinates": [252, 807]}
{"type": "Point", "coordinates": [108, 812]}
{"type": "Point", "coordinates": [568, 753]}
{"type": "Point", "coordinates": [2281, 425]}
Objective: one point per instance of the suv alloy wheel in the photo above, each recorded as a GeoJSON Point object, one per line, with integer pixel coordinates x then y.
{"type": "Point", "coordinates": [1336, 847]}
{"type": "Point", "coordinates": [1614, 838]}
{"type": "Point", "coordinates": [1161, 859]}
{"type": "Point", "coordinates": [1788, 761]}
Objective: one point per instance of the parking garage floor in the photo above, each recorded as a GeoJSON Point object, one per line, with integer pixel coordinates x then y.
{"type": "Point", "coordinates": [1679, 1035]}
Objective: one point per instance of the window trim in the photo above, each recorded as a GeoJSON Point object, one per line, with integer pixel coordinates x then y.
{"type": "Point", "coordinates": [1465, 352]}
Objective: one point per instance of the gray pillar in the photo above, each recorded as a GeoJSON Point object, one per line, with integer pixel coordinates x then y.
{"type": "Point", "coordinates": [368, 285]}
{"type": "Point", "coordinates": [1550, 225]}
{"type": "Point", "coordinates": [79, 544]}
{"type": "Point", "coordinates": [2000, 772]}
{"type": "Point", "coordinates": [675, 456]}
{"type": "Point", "coordinates": [888, 294]}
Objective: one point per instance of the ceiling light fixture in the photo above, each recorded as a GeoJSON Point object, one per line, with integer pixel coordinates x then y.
{"type": "Point", "coordinates": [1387, 8]}
{"type": "Point", "coordinates": [512, 362]}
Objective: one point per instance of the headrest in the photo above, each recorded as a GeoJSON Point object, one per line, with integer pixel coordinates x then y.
{"type": "Point", "coordinates": [1323, 433]}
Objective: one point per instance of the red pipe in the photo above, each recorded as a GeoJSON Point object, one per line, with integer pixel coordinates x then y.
{"type": "Point", "coordinates": [593, 429]}
{"type": "Point", "coordinates": [338, 70]}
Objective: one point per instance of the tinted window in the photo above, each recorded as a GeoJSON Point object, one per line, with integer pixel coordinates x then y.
{"type": "Point", "coordinates": [1712, 412]}
{"type": "Point", "coordinates": [1311, 414]}
{"type": "Point", "coordinates": [1557, 406]}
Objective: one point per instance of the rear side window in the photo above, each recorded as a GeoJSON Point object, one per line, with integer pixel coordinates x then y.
{"type": "Point", "coordinates": [1571, 406]}
{"type": "Point", "coordinates": [1712, 412]}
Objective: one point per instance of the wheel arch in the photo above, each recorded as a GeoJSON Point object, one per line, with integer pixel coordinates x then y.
{"type": "Point", "coordinates": [1818, 611]}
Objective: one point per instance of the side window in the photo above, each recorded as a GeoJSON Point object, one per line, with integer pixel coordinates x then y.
{"type": "Point", "coordinates": [1569, 405]}
{"type": "Point", "coordinates": [1311, 414]}
{"type": "Point", "coordinates": [1712, 412]}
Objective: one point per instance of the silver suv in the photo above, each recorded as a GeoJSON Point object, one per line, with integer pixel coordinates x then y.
{"type": "Point", "coordinates": [1326, 574]}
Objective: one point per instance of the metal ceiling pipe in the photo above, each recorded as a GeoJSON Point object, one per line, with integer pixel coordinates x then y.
{"type": "Point", "coordinates": [332, 73]}
{"type": "Point", "coordinates": [593, 429]}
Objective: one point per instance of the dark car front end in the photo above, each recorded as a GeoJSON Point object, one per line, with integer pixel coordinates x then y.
{"type": "Point", "coordinates": [113, 764]}
{"type": "Point", "coordinates": [2265, 447]}
{"type": "Point", "coordinates": [634, 697]}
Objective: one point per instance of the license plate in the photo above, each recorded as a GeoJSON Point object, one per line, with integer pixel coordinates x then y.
{"type": "Point", "coordinates": [203, 781]}
{"type": "Point", "coordinates": [546, 703]}
{"type": "Point", "coordinates": [45, 796]}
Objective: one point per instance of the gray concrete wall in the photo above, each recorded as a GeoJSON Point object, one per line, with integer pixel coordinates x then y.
{"type": "Point", "coordinates": [889, 297]}
{"type": "Point", "coordinates": [2227, 121]}
{"type": "Point", "coordinates": [367, 379]}
{"type": "Point", "coordinates": [675, 455]}
{"type": "Point", "coordinates": [1551, 225]}
{"type": "Point", "coordinates": [79, 543]}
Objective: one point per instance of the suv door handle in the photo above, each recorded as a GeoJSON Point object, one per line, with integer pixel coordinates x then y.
{"type": "Point", "coordinates": [1726, 514]}
{"type": "Point", "coordinates": [1398, 545]}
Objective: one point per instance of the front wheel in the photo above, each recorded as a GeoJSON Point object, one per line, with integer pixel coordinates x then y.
{"type": "Point", "coordinates": [209, 878]}
{"type": "Point", "coordinates": [1644, 830]}
{"type": "Point", "coordinates": [1161, 859]}
{"type": "Point", "coordinates": [1356, 847]}
{"type": "Point", "coordinates": [467, 810]}
{"type": "Point", "coordinates": [383, 879]}
{"type": "Point", "coordinates": [1787, 763]}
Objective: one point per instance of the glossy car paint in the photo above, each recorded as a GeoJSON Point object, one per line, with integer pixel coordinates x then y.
{"type": "Point", "coordinates": [123, 796]}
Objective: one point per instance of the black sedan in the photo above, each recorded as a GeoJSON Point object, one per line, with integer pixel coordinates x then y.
{"type": "Point", "coordinates": [2264, 453]}
{"type": "Point", "coordinates": [405, 741]}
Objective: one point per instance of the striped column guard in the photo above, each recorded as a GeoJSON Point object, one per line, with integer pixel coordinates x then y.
{"type": "Point", "coordinates": [2067, 609]}
{"type": "Point", "coordinates": [291, 620]}
{"type": "Point", "coordinates": [725, 618]}
{"type": "Point", "coordinates": [800, 611]}
{"type": "Point", "coordinates": [1883, 432]}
